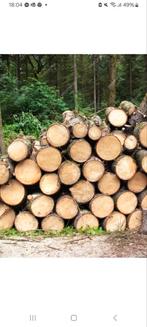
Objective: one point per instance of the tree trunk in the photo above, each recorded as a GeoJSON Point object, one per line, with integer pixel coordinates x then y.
{"type": "Point", "coordinates": [75, 82]}
{"type": "Point", "coordinates": [94, 84]}
{"type": "Point", "coordinates": [2, 145]}
{"type": "Point", "coordinates": [112, 80]}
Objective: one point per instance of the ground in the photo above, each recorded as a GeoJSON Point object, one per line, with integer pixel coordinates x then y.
{"type": "Point", "coordinates": [125, 244]}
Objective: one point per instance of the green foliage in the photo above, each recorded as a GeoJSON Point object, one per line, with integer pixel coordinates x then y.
{"type": "Point", "coordinates": [41, 100]}
{"type": "Point", "coordinates": [67, 231]}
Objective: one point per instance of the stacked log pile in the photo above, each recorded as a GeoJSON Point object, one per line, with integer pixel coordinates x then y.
{"type": "Point", "coordinates": [82, 172]}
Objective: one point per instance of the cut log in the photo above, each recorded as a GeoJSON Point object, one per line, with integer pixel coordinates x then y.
{"type": "Point", "coordinates": [102, 205]}
{"type": "Point", "coordinates": [134, 220]}
{"type": "Point", "coordinates": [50, 184]}
{"type": "Point", "coordinates": [49, 159]}
{"type": "Point", "coordinates": [80, 150]}
{"type": "Point", "coordinates": [69, 172]}
{"type": "Point", "coordinates": [137, 183]}
{"type": "Point", "coordinates": [40, 205]}
{"type": "Point", "coordinates": [128, 107]}
{"type": "Point", "coordinates": [94, 132]}
{"type": "Point", "coordinates": [28, 172]}
{"type": "Point", "coordinates": [108, 110]}
{"type": "Point", "coordinates": [80, 130]}
{"type": "Point", "coordinates": [19, 149]}
{"type": "Point", "coordinates": [125, 201]}
{"type": "Point", "coordinates": [140, 132]}
{"type": "Point", "coordinates": [93, 169]}
{"type": "Point", "coordinates": [141, 158]}
{"type": "Point", "coordinates": [108, 147]}
{"type": "Point", "coordinates": [7, 216]}
{"type": "Point", "coordinates": [109, 184]}
{"type": "Point", "coordinates": [25, 222]}
{"type": "Point", "coordinates": [58, 135]}
{"type": "Point", "coordinates": [125, 167]}
{"type": "Point", "coordinates": [12, 193]}
{"type": "Point", "coordinates": [143, 228]}
{"type": "Point", "coordinates": [115, 222]}
{"type": "Point", "coordinates": [142, 199]}
{"type": "Point", "coordinates": [83, 191]}
{"type": "Point", "coordinates": [52, 223]}
{"type": "Point", "coordinates": [120, 135]}
{"type": "Point", "coordinates": [86, 220]}
{"type": "Point", "coordinates": [117, 118]}
{"type": "Point", "coordinates": [67, 207]}
{"type": "Point", "coordinates": [43, 139]}
{"type": "Point", "coordinates": [130, 143]}
{"type": "Point", "coordinates": [4, 172]}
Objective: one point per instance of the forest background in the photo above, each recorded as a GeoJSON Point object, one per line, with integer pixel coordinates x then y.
{"type": "Point", "coordinates": [36, 89]}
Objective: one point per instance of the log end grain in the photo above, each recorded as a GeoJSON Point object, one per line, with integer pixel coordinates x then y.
{"type": "Point", "coordinates": [49, 159]}
{"type": "Point", "coordinates": [41, 206]}
{"type": "Point", "coordinates": [126, 202]}
{"type": "Point", "coordinates": [69, 172]}
{"type": "Point", "coordinates": [109, 184]}
{"type": "Point", "coordinates": [25, 222]}
{"type": "Point", "coordinates": [83, 191]}
{"type": "Point", "coordinates": [52, 223]}
{"type": "Point", "coordinates": [117, 118]}
{"type": "Point", "coordinates": [28, 172]}
{"type": "Point", "coordinates": [94, 133]}
{"type": "Point", "coordinates": [18, 150]}
{"type": "Point", "coordinates": [66, 207]}
{"type": "Point", "coordinates": [115, 222]}
{"type": "Point", "coordinates": [80, 150]}
{"type": "Point", "coordinates": [80, 130]}
{"type": "Point", "coordinates": [102, 205]}
{"type": "Point", "coordinates": [108, 147]}
{"type": "Point", "coordinates": [134, 220]}
{"type": "Point", "coordinates": [7, 217]}
{"type": "Point", "coordinates": [93, 169]}
{"type": "Point", "coordinates": [58, 135]}
{"type": "Point", "coordinates": [86, 220]}
{"type": "Point", "coordinates": [50, 183]}
{"type": "Point", "coordinates": [137, 183]}
{"type": "Point", "coordinates": [125, 167]}
{"type": "Point", "coordinates": [12, 193]}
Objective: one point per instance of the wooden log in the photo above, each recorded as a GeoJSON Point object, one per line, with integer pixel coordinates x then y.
{"type": "Point", "coordinates": [7, 216]}
{"type": "Point", "coordinates": [12, 193]}
{"type": "Point", "coordinates": [69, 172]}
{"type": "Point", "coordinates": [142, 199]}
{"type": "Point", "coordinates": [93, 169]}
{"type": "Point", "coordinates": [94, 132]}
{"type": "Point", "coordinates": [140, 132]}
{"type": "Point", "coordinates": [125, 202]}
{"type": "Point", "coordinates": [130, 143]}
{"type": "Point", "coordinates": [125, 167]}
{"type": "Point", "coordinates": [66, 207]}
{"type": "Point", "coordinates": [120, 135]}
{"type": "Point", "coordinates": [40, 205]}
{"type": "Point", "coordinates": [117, 117]}
{"type": "Point", "coordinates": [143, 228]}
{"type": "Point", "coordinates": [85, 220]}
{"type": "Point", "coordinates": [109, 184]}
{"type": "Point", "coordinates": [108, 147]}
{"type": "Point", "coordinates": [128, 107]}
{"type": "Point", "coordinates": [50, 184]}
{"type": "Point", "coordinates": [141, 158]}
{"type": "Point", "coordinates": [108, 110]}
{"type": "Point", "coordinates": [134, 220]}
{"type": "Point", "coordinates": [43, 138]}
{"type": "Point", "coordinates": [101, 205]}
{"type": "Point", "coordinates": [137, 183]}
{"type": "Point", "coordinates": [83, 191]}
{"type": "Point", "coordinates": [19, 149]}
{"type": "Point", "coordinates": [25, 222]}
{"type": "Point", "coordinates": [28, 172]}
{"type": "Point", "coordinates": [80, 130]}
{"type": "Point", "coordinates": [49, 159]}
{"type": "Point", "coordinates": [52, 223]}
{"type": "Point", "coordinates": [115, 222]}
{"type": "Point", "coordinates": [58, 135]}
{"type": "Point", "coordinates": [4, 172]}
{"type": "Point", "coordinates": [80, 150]}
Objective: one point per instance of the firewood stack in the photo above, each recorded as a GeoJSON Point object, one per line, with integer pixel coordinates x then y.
{"type": "Point", "coordinates": [83, 172]}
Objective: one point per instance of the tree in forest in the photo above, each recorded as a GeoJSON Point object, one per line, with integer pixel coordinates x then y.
{"type": "Point", "coordinates": [75, 81]}
{"type": "Point", "coordinates": [2, 146]}
{"type": "Point", "coordinates": [112, 80]}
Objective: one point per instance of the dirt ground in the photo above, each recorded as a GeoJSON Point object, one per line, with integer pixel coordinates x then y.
{"type": "Point", "coordinates": [116, 245]}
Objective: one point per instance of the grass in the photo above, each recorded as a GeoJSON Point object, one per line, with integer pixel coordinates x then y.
{"type": "Point", "coordinates": [67, 231]}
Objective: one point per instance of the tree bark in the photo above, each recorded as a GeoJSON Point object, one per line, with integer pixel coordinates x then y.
{"type": "Point", "coordinates": [2, 145]}
{"type": "Point", "coordinates": [75, 82]}
{"type": "Point", "coordinates": [112, 80]}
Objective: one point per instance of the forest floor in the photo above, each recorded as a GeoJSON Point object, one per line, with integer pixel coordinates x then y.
{"type": "Point", "coordinates": [126, 244]}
